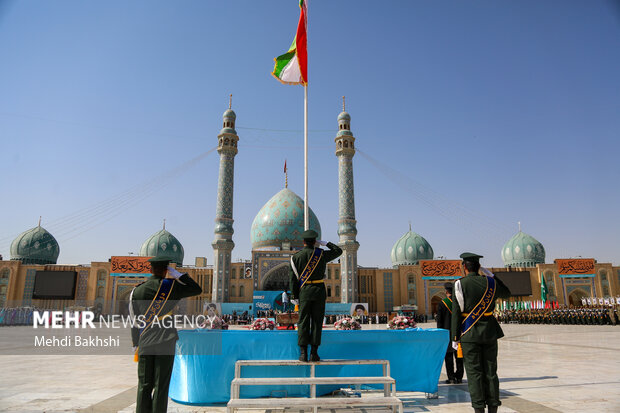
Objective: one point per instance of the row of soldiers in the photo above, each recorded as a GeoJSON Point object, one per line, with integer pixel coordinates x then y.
{"type": "Point", "coordinates": [18, 316]}
{"type": "Point", "coordinates": [582, 315]}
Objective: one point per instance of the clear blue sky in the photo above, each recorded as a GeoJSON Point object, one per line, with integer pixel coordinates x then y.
{"type": "Point", "coordinates": [474, 115]}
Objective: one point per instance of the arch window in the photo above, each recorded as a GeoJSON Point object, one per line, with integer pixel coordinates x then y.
{"type": "Point", "coordinates": [550, 284]}
{"type": "Point", "coordinates": [233, 273]}
{"type": "Point", "coordinates": [101, 275]}
{"type": "Point", "coordinates": [241, 291]}
{"type": "Point", "coordinates": [5, 274]}
{"type": "Point", "coordinates": [232, 290]}
{"type": "Point", "coordinates": [329, 290]}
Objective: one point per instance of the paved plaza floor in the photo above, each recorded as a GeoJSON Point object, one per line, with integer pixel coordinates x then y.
{"type": "Point", "coordinates": [542, 368]}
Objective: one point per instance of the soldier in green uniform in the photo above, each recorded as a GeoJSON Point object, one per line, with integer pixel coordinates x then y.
{"type": "Point", "coordinates": [444, 320]}
{"type": "Point", "coordinates": [306, 274]}
{"type": "Point", "coordinates": [154, 335]}
{"type": "Point", "coordinates": [477, 330]}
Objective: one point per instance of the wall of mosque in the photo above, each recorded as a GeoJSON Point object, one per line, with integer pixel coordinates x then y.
{"type": "Point", "coordinates": [382, 288]}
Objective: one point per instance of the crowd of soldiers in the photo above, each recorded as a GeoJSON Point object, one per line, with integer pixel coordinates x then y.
{"type": "Point", "coordinates": [19, 316]}
{"type": "Point", "coordinates": [579, 315]}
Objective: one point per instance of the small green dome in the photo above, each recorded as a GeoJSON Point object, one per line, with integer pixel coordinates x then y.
{"type": "Point", "coordinates": [163, 243]}
{"type": "Point", "coordinates": [281, 220]}
{"type": "Point", "coordinates": [410, 249]}
{"type": "Point", "coordinates": [523, 250]}
{"type": "Point", "coordinates": [230, 114]}
{"type": "Point", "coordinates": [35, 246]}
{"type": "Point", "coordinates": [344, 116]}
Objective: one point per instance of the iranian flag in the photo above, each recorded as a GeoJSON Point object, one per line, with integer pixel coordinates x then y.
{"type": "Point", "coordinates": [291, 68]}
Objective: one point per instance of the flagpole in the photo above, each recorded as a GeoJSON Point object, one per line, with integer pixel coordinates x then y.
{"type": "Point", "coordinates": [306, 215]}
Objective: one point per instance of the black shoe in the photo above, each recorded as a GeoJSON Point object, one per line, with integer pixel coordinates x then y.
{"type": "Point", "coordinates": [303, 354]}
{"type": "Point", "coordinates": [449, 381]}
{"type": "Point", "coordinates": [458, 381]}
{"type": "Point", "coordinates": [314, 355]}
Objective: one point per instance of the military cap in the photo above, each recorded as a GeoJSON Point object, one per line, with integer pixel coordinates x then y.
{"type": "Point", "coordinates": [160, 259]}
{"type": "Point", "coordinates": [470, 256]}
{"type": "Point", "coordinates": [309, 234]}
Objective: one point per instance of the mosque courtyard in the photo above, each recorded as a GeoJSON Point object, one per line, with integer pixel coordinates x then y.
{"type": "Point", "coordinates": [542, 368]}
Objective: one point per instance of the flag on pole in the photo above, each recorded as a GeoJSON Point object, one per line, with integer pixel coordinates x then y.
{"type": "Point", "coordinates": [543, 288]}
{"type": "Point", "coordinates": [291, 68]}
{"type": "Point", "coordinates": [285, 166]}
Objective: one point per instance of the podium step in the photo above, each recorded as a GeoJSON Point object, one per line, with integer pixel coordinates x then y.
{"type": "Point", "coordinates": [327, 362]}
{"type": "Point", "coordinates": [266, 381]}
{"type": "Point", "coordinates": [388, 399]}
{"type": "Point", "coordinates": [329, 402]}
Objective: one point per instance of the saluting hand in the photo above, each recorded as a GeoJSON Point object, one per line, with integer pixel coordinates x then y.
{"type": "Point", "coordinates": [173, 272]}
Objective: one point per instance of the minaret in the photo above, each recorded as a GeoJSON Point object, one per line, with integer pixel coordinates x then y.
{"type": "Point", "coordinates": [347, 230]}
{"type": "Point", "coordinates": [223, 243]}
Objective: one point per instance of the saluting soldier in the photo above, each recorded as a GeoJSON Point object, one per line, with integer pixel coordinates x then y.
{"type": "Point", "coordinates": [307, 287]}
{"type": "Point", "coordinates": [444, 320]}
{"type": "Point", "coordinates": [477, 330]}
{"type": "Point", "coordinates": [154, 334]}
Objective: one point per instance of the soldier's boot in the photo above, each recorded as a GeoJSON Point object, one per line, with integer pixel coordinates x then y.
{"type": "Point", "coordinates": [303, 353]}
{"type": "Point", "coordinates": [492, 409]}
{"type": "Point", "coordinates": [314, 355]}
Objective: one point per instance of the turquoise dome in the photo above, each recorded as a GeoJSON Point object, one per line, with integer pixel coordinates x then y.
{"type": "Point", "coordinates": [344, 116]}
{"type": "Point", "coordinates": [410, 249]}
{"type": "Point", "coordinates": [230, 114]}
{"type": "Point", "coordinates": [35, 246]}
{"type": "Point", "coordinates": [228, 125]}
{"type": "Point", "coordinates": [281, 220]}
{"type": "Point", "coordinates": [163, 243]}
{"type": "Point", "coordinates": [523, 250]}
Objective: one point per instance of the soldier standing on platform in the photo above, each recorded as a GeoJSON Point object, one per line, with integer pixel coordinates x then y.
{"type": "Point", "coordinates": [308, 289]}
{"type": "Point", "coordinates": [156, 337]}
{"type": "Point", "coordinates": [475, 328]}
{"type": "Point", "coordinates": [444, 320]}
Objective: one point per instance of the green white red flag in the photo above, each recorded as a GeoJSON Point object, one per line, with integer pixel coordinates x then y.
{"type": "Point", "coordinates": [291, 68]}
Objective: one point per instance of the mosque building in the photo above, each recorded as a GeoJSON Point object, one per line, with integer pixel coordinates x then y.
{"type": "Point", "coordinates": [415, 280]}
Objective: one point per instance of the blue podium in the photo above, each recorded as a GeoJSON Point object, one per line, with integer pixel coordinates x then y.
{"type": "Point", "coordinates": [205, 360]}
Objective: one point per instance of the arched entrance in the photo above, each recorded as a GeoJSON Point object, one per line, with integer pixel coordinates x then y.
{"type": "Point", "coordinates": [574, 298]}
{"type": "Point", "coordinates": [122, 300]}
{"type": "Point", "coordinates": [435, 302]}
{"type": "Point", "coordinates": [277, 279]}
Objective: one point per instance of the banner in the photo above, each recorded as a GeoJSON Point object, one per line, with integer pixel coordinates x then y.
{"type": "Point", "coordinates": [132, 266]}
{"type": "Point", "coordinates": [267, 300]}
{"type": "Point", "coordinates": [440, 269]}
{"type": "Point", "coordinates": [575, 266]}
{"type": "Point", "coordinates": [247, 270]}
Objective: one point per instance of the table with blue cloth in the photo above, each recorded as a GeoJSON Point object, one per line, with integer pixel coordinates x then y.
{"type": "Point", "coordinates": [204, 364]}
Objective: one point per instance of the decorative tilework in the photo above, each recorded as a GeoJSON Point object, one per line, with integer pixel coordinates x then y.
{"type": "Point", "coordinates": [223, 243]}
{"type": "Point", "coordinates": [281, 220]}
{"type": "Point", "coordinates": [28, 287]}
{"type": "Point", "coordinates": [388, 291]}
{"type": "Point", "coordinates": [82, 285]}
{"type": "Point", "coordinates": [5, 276]}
